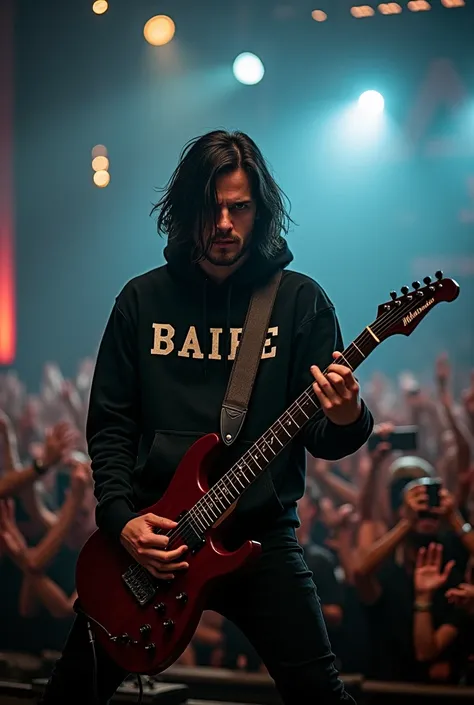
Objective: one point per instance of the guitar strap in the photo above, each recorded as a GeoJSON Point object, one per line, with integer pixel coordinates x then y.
{"type": "Point", "coordinates": [249, 353]}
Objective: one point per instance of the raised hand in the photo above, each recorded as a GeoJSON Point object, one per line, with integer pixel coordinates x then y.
{"type": "Point", "coordinates": [429, 576]}
{"type": "Point", "coordinates": [60, 439]}
{"type": "Point", "coordinates": [462, 596]}
{"type": "Point", "coordinates": [415, 500]}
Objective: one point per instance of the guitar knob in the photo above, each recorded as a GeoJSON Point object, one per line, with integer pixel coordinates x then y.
{"type": "Point", "coordinates": [405, 290]}
{"type": "Point", "coordinates": [427, 280]}
{"type": "Point", "coordinates": [416, 285]}
{"type": "Point", "coordinates": [160, 607]}
{"type": "Point", "coordinates": [145, 629]}
{"type": "Point", "coordinates": [393, 294]}
{"type": "Point", "coordinates": [439, 275]}
{"type": "Point", "coordinates": [168, 624]}
{"type": "Point", "coordinates": [182, 597]}
{"type": "Point", "coordinates": [150, 647]}
{"type": "Point", "coordinates": [124, 638]}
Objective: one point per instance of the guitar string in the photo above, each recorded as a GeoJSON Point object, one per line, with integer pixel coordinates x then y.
{"type": "Point", "coordinates": [211, 495]}
{"type": "Point", "coordinates": [199, 511]}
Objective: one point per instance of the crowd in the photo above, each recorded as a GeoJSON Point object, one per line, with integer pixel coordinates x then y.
{"type": "Point", "coordinates": [386, 532]}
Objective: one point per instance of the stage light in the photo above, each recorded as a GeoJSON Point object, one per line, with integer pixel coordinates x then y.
{"type": "Point", "coordinates": [248, 69]}
{"type": "Point", "coordinates": [389, 8]}
{"type": "Point", "coordinates": [418, 5]}
{"type": "Point", "coordinates": [100, 164]}
{"type": "Point", "coordinates": [359, 11]}
{"type": "Point", "coordinates": [371, 102]}
{"type": "Point", "coordinates": [101, 178]}
{"type": "Point", "coordinates": [319, 16]}
{"type": "Point", "coordinates": [100, 6]}
{"type": "Point", "coordinates": [99, 151]}
{"type": "Point", "coordinates": [453, 3]}
{"type": "Point", "coordinates": [159, 30]}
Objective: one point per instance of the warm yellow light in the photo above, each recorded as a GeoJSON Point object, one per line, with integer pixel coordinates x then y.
{"type": "Point", "coordinates": [99, 151]}
{"type": "Point", "coordinates": [362, 11]}
{"type": "Point", "coordinates": [390, 8]}
{"type": "Point", "coordinates": [159, 30]}
{"type": "Point", "coordinates": [453, 3]}
{"type": "Point", "coordinates": [100, 164]}
{"type": "Point", "coordinates": [100, 6]}
{"type": "Point", "coordinates": [101, 178]}
{"type": "Point", "coordinates": [319, 15]}
{"type": "Point", "coordinates": [418, 5]}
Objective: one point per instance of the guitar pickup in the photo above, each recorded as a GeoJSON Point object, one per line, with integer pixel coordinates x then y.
{"type": "Point", "coordinates": [138, 581]}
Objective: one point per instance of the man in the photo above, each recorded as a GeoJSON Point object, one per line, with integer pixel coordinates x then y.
{"type": "Point", "coordinates": [160, 379]}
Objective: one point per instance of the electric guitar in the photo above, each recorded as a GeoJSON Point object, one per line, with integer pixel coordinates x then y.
{"type": "Point", "coordinates": [145, 624]}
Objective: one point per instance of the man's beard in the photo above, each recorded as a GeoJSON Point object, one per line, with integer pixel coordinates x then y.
{"type": "Point", "coordinates": [225, 258]}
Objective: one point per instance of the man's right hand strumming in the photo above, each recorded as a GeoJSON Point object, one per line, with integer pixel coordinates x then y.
{"type": "Point", "coordinates": [150, 549]}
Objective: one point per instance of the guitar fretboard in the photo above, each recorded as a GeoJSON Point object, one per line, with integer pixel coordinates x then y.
{"type": "Point", "coordinates": [210, 508]}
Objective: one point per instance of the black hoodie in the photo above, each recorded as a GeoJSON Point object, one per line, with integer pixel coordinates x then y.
{"type": "Point", "coordinates": [162, 372]}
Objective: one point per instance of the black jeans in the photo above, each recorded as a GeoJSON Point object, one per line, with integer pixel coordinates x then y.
{"type": "Point", "coordinates": [276, 606]}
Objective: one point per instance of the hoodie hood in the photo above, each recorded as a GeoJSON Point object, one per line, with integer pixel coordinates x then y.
{"type": "Point", "coordinates": [256, 269]}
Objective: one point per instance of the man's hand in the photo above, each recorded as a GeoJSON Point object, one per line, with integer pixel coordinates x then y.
{"type": "Point", "coordinates": [149, 548]}
{"type": "Point", "coordinates": [338, 393]}
{"type": "Point", "coordinates": [428, 574]}
{"type": "Point", "coordinates": [462, 596]}
{"type": "Point", "coordinates": [415, 500]}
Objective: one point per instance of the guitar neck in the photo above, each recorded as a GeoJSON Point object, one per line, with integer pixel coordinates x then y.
{"type": "Point", "coordinates": [210, 508]}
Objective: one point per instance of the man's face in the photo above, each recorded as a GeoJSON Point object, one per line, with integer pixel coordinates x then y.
{"type": "Point", "coordinates": [235, 220]}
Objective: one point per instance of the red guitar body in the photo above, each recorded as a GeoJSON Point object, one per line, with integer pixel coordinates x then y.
{"type": "Point", "coordinates": [147, 638]}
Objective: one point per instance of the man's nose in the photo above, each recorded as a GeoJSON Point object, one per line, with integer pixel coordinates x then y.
{"type": "Point", "coordinates": [224, 222]}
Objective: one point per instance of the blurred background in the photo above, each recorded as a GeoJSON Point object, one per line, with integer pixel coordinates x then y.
{"type": "Point", "coordinates": [366, 115]}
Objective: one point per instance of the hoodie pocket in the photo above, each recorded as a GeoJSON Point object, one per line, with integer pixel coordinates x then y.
{"type": "Point", "coordinates": [166, 452]}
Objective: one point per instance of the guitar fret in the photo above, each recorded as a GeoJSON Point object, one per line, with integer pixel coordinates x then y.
{"type": "Point", "coordinates": [347, 362]}
{"type": "Point", "coordinates": [308, 396]}
{"type": "Point", "coordinates": [253, 473]}
{"type": "Point", "coordinates": [238, 478]}
{"type": "Point", "coordinates": [301, 408]}
{"type": "Point", "coordinates": [210, 506]}
{"type": "Point", "coordinates": [196, 518]}
{"type": "Point", "coordinates": [289, 434]}
{"type": "Point", "coordinates": [274, 434]}
{"type": "Point", "coordinates": [357, 348]}
{"type": "Point", "coordinates": [261, 451]}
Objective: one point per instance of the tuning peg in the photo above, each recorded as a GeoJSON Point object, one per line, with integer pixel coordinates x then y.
{"type": "Point", "coordinates": [393, 294]}
{"type": "Point", "coordinates": [439, 275]}
{"type": "Point", "coordinates": [416, 285]}
{"type": "Point", "coordinates": [405, 290]}
{"type": "Point", "coordinates": [427, 280]}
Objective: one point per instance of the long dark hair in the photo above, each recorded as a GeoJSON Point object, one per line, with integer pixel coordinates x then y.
{"type": "Point", "coordinates": [189, 200]}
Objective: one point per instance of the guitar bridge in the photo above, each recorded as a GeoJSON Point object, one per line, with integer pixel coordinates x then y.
{"type": "Point", "coordinates": [138, 581]}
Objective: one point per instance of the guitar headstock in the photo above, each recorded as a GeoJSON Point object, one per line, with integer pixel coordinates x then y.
{"type": "Point", "coordinates": [402, 314]}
